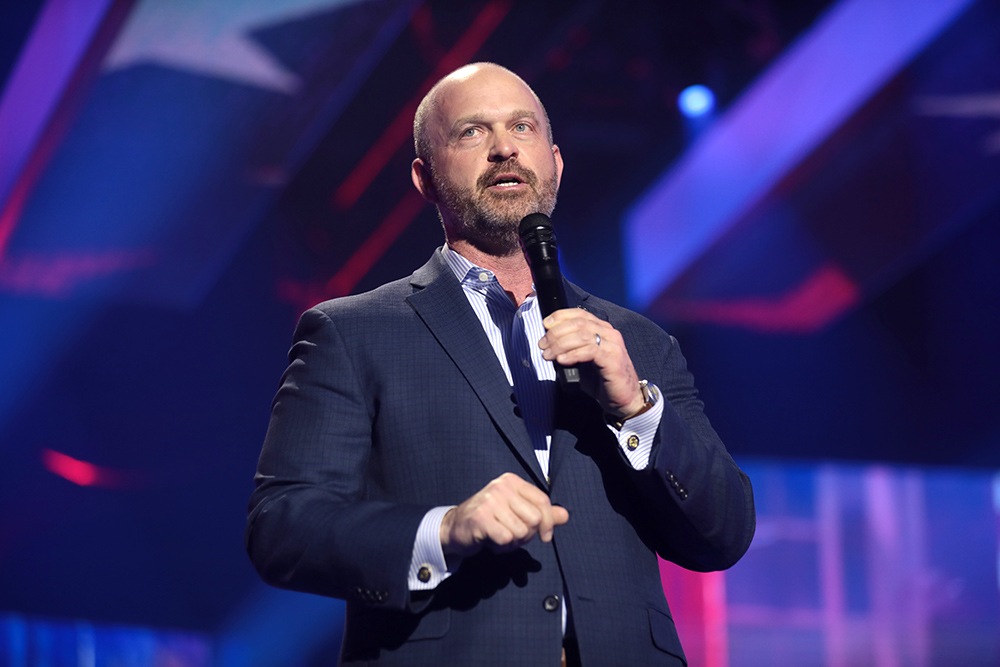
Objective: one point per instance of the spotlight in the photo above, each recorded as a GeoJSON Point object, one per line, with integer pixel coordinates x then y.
{"type": "Point", "coordinates": [696, 101]}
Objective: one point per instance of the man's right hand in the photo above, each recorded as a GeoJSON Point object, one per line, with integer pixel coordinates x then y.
{"type": "Point", "coordinates": [504, 515]}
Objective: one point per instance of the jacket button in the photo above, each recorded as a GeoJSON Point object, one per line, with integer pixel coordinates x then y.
{"type": "Point", "coordinates": [551, 603]}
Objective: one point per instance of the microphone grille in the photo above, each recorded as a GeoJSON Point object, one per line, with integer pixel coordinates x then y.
{"type": "Point", "coordinates": [536, 228]}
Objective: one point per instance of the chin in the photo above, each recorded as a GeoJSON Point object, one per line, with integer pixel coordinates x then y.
{"type": "Point", "coordinates": [510, 210]}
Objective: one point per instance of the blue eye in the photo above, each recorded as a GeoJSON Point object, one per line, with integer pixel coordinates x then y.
{"type": "Point", "coordinates": [521, 127]}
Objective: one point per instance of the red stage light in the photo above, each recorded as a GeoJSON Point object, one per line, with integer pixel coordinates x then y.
{"type": "Point", "coordinates": [78, 472]}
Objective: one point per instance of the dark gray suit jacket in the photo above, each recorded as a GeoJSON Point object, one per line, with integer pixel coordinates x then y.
{"type": "Point", "coordinates": [394, 403]}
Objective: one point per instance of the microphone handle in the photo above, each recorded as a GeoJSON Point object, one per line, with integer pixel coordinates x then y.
{"type": "Point", "coordinates": [552, 297]}
{"type": "Point", "coordinates": [568, 376]}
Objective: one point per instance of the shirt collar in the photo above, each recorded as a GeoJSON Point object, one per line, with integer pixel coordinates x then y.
{"type": "Point", "coordinates": [464, 270]}
{"type": "Point", "coordinates": [472, 276]}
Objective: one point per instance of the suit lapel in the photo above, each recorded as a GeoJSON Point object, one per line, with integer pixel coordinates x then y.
{"type": "Point", "coordinates": [439, 301]}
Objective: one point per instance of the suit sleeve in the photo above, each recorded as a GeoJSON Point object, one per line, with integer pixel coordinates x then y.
{"type": "Point", "coordinates": [311, 525]}
{"type": "Point", "coordinates": [697, 500]}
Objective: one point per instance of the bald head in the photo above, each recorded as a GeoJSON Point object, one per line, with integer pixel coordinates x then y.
{"type": "Point", "coordinates": [430, 105]}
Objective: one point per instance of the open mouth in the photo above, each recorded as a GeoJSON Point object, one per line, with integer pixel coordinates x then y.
{"type": "Point", "coordinates": [506, 181]}
{"type": "Point", "coordinates": [506, 177]}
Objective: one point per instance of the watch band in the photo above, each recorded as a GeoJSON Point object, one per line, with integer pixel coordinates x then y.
{"type": "Point", "coordinates": [649, 394]}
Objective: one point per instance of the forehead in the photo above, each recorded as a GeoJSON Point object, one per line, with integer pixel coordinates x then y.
{"type": "Point", "coordinates": [486, 93]}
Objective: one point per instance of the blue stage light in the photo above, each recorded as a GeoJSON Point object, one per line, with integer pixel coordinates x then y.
{"type": "Point", "coordinates": [696, 101]}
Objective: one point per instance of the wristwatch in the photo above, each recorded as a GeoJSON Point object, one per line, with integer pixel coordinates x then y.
{"type": "Point", "coordinates": [649, 394]}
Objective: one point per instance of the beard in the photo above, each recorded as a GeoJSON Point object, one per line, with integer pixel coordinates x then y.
{"type": "Point", "coordinates": [488, 219]}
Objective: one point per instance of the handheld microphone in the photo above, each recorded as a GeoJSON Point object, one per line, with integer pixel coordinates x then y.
{"type": "Point", "coordinates": [541, 250]}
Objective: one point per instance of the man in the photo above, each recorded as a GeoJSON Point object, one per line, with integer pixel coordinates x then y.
{"type": "Point", "coordinates": [421, 463]}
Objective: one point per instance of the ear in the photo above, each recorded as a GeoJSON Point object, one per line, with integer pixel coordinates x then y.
{"type": "Point", "coordinates": [557, 156]}
{"type": "Point", "coordinates": [422, 181]}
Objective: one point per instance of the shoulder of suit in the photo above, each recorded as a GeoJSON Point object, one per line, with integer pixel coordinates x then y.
{"type": "Point", "coordinates": [391, 296]}
{"type": "Point", "coordinates": [384, 299]}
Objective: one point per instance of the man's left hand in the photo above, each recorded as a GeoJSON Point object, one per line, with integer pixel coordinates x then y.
{"type": "Point", "coordinates": [574, 336]}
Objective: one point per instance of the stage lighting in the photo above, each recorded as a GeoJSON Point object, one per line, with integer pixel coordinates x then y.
{"type": "Point", "coordinates": [696, 101]}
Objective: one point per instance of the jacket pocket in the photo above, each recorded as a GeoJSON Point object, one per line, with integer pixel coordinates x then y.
{"type": "Point", "coordinates": [433, 625]}
{"type": "Point", "coordinates": [665, 634]}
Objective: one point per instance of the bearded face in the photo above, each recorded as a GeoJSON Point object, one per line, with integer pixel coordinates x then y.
{"type": "Point", "coordinates": [488, 214]}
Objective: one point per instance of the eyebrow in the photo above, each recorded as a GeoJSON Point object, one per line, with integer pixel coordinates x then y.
{"type": "Point", "coordinates": [481, 119]}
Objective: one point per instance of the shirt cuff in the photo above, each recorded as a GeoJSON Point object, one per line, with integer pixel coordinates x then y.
{"type": "Point", "coordinates": [637, 434]}
{"type": "Point", "coordinates": [428, 567]}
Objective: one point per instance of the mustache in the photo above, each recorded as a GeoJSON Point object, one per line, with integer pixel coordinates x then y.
{"type": "Point", "coordinates": [487, 178]}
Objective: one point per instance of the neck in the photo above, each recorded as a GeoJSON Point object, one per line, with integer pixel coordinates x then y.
{"type": "Point", "coordinates": [512, 271]}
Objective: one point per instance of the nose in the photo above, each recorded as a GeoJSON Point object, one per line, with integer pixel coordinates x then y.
{"type": "Point", "coordinates": [502, 148]}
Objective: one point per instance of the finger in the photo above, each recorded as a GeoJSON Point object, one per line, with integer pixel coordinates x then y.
{"type": "Point", "coordinates": [560, 515]}
{"type": "Point", "coordinates": [498, 536]}
{"type": "Point", "coordinates": [577, 322]}
{"type": "Point", "coordinates": [557, 328]}
{"type": "Point", "coordinates": [522, 518]}
{"type": "Point", "coordinates": [546, 523]}
{"type": "Point", "coordinates": [507, 532]}
{"type": "Point", "coordinates": [567, 314]}
{"type": "Point", "coordinates": [490, 509]}
{"type": "Point", "coordinates": [573, 356]}
{"type": "Point", "coordinates": [575, 333]}
{"type": "Point", "coordinates": [529, 491]}
{"type": "Point", "coordinates": [569, 323]}
{"type": "Point", "coordinates": [610, 348]}
{"type": "Point", "coordinates": [554, 345]}
{"type": "Point", "coordinates": [536, 508]}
